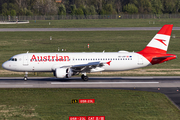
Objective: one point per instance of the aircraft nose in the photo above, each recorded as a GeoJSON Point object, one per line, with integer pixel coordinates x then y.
{"type": "Point", "coordinates": [5, 65]}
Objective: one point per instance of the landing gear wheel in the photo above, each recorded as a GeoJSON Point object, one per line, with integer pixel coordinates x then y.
{"type": "Point", "coordinates": [85, 78]}
{"type": "Point", "coordinates": [25, 78]}
{"type": "Point", "coordinates": [82, 77]}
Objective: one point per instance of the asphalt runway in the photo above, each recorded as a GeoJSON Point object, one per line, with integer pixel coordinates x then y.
{"type": "Point", "coordinates": [168, 85]}
{"type": "Point", "coordinates": [94, 82]}
{"type": "Point", "coordinates": [83, 29]}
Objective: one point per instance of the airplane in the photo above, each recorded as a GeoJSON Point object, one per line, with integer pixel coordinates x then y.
{"type": "Point", "coordinates": [65, 65]}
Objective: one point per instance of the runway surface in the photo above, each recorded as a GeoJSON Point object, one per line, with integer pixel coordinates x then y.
{"type": "Point", "coordinates": [83, 29]}
{"type": "Point", "coordinates": [168, 85]}
{"type": "Point", "coordinates": [94, 82]}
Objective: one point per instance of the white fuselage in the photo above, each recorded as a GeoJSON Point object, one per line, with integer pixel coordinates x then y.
{"type": "Point", "coordinates": [48, 62]}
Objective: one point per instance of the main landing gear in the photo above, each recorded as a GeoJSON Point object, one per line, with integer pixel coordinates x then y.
{"type": "Point", "coordinates": [84, 77]}
{"type": "Point", "coordinates": [26, 76]}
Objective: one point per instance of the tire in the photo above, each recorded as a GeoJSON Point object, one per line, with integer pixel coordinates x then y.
{"type": "Point", "coordinates": [82, 77]}
{"type": "Point", "coordinates": [85, 78]}
{"type": "Point", "coordinates": [67, 76]}
{"type": "Point", "coordinates": [25, 78]}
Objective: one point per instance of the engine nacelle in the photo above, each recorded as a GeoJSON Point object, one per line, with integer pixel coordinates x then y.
{"type": "Point", "coordinates": [63, 73]}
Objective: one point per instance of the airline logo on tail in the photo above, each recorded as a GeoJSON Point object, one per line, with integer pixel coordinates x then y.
{"type": "Point", "coordinates": [155, 51]}
{"type": "Point", "coordinates": [162, 41]}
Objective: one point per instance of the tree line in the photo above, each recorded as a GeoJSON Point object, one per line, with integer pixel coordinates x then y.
{"type": "Point", "coordinates": [87, 7]}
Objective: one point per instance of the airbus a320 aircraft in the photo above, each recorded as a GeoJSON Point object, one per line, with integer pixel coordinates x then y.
{"type": "Point", "coordinates": [65, 65]}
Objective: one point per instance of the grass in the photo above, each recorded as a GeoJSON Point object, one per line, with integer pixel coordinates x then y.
{"type": "Point", "coordinates": [94, 23]}
{"type": "Point", "coordinates": [12, 43]}
{"type": "Point", "coordinates": [43, 104]}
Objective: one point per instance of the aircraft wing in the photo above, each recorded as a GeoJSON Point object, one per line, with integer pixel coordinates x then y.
{"type": "Point", "coordinates": [88, 64]}
{"type": "Point", "coordinates": [85, 67]}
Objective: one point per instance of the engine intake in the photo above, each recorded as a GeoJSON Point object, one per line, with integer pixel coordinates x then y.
{"type": "Point", "coordinates": [63, 73]}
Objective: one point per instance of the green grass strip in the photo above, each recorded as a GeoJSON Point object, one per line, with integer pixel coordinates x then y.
{"type": "Point", "coordinates": [114, 104]}
{"type": "Point", "coordinates": [94, 23]}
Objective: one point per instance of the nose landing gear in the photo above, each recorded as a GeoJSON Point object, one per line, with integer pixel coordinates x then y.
{"type": "Point", "coordinates": [26, 76]}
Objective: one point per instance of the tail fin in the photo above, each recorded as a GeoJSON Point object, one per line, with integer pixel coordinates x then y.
{"type": "Point", "coordinates": [160, 42]}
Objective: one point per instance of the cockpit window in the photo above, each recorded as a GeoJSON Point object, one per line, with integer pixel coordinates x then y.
{"type": "Point", "coordinates": [13, 59]}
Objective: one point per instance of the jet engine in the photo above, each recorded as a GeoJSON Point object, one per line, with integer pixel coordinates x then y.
{"type": "Point", "coordinates": [63, 72]}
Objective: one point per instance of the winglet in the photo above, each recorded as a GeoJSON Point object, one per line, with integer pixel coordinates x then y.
{"type": "Point", "coordinates": [108, 63]}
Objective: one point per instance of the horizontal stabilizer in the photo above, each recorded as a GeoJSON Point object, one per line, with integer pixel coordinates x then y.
{"type": "Point", "coordinates": [163, 57]}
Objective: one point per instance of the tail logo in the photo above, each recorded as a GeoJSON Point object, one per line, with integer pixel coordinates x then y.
{"type": "Point", "coordinates": [162, 41]}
